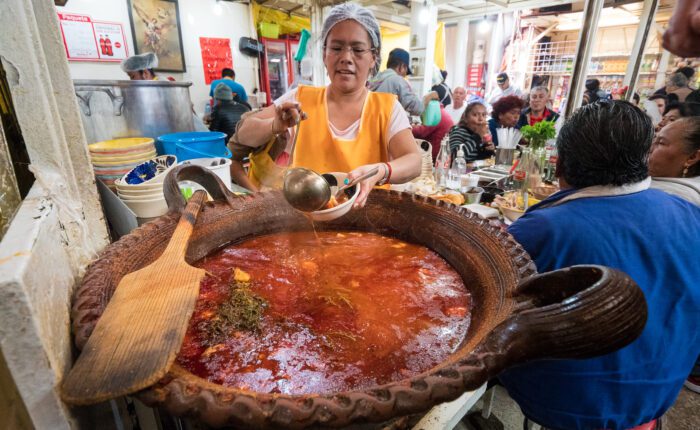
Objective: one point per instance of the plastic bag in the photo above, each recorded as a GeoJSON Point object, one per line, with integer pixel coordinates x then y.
{"type": "Point", "coordinates": [431, 115]}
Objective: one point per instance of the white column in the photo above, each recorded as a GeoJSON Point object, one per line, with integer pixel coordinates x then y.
{"type": "Point", "coordinates": [495, 53]}
{"type": "Point", "coordinates": [422, 44]}
{"type": "Point", "coordinates": [460, 51]}
{"type": "Point", "coordinates": [661, 70]}
{"type": "Point", "coordinates": [59, 227]}
{"type": "Point", "coordinates": [319, 70]}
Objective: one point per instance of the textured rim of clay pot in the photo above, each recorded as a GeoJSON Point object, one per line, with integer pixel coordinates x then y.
{"type": "Point", "coordinates": [521, 322]}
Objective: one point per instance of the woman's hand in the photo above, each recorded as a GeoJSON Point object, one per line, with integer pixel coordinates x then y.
{"type": "Point", "coordinates": [367, 185]}
{"type": "Point", "coordinates": [286, 115]}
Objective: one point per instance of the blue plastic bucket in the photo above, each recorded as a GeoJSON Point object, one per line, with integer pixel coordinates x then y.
{"type": "Point", "coordinates": [185, 152]}
{"type": "Point", "coordinates": [202, 143]}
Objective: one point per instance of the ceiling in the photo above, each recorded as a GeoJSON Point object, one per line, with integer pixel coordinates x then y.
{"type": "Point", "coordinates": [396, 14]}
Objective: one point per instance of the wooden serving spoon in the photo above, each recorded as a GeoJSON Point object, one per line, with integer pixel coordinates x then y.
{"type": "Point", "coordinates": [141, 331]}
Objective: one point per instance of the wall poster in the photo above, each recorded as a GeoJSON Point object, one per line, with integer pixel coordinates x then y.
{"type": "Point", "coordinates": [156, 28]}
{"type": "Point", "coordinates": [88, 40]}
{"type": "Point", "coordinates": [216, 55]}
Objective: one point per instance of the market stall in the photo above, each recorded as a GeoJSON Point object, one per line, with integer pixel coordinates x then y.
{"type": "Point", "coordinates": [394, 313]}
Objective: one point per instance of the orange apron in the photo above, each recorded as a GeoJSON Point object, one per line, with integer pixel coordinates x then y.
{"type": "Point", "coordinates": [318, 150]}
{"type": "Point", "coordinates": [263, 171]}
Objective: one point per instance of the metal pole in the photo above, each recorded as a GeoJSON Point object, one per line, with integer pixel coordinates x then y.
{"type": "Point", "coordinates": [591, 16]}
{"type": "Point", "coordinates": [661, 71]}
{"type": "Point", "coordinates": [646, 20]}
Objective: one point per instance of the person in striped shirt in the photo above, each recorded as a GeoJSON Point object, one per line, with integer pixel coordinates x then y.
{"type": "Point", "coordinates": [472, 134]}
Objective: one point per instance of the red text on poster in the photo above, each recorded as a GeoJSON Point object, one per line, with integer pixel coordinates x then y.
{"type": "Point", "coordinates": [216, 55]}
{"type": "Point", "coordinates": [89, 40]}
{"type": "Point", "coordinates": [475, 73]}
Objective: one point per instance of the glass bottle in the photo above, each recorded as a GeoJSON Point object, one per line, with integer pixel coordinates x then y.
{"type": "Point", "coordinates": [521, 177]}
{"type": "Point", "coordinates": [442, 163]}
{"type": "Point", "coordinates": [459, 168]}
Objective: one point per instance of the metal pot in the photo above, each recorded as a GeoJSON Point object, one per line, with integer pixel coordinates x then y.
{"type": "Point", "coordinates": [517, 315]}
{"type": "Point", "coordinates": [113, 109]}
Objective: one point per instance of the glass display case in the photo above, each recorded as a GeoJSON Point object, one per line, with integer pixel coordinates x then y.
{"type": "Point", "coordinates": [278, 68]}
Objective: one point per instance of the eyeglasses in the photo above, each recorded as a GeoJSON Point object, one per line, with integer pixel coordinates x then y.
{"type": "Point", "coordinates": [338, 50]}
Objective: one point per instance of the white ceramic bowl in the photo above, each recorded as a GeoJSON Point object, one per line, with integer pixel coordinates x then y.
{"type": "Point", "coordinates": [219, 165]}
{"type": "Point", "coordinates": [341, 209]}
{"type": "Point", "coordinates": [148, 208]}
{"type": "Point", "coordinates": [163, 164]}
{"type": "Point", "coordinates": [511, 214]}
{"type": "Point", "coordinates": [140, 192]}
{"type": "Point", "coordinates": [155, 195]}
{"type": "Point", "coordinates": [122, 186]}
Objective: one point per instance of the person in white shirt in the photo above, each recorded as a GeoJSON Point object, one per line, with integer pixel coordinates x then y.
{"type": "Point", "coordinates": [456, 108]}
{"type": "Point", "coordinates": [504, 89]}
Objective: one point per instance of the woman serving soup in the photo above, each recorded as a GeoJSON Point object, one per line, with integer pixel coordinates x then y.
{"type": "Point", "coordinates": [347, 127]}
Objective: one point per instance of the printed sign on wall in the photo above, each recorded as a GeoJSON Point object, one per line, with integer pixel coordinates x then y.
{"type": "Point", "coordinates": [88, 40]}
{"type": "Point", "coordinates": [216, 55]}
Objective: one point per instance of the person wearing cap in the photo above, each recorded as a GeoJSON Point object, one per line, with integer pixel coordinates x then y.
{"type": "Point", "coordinates": [228, 77]}
{"type": "Point", "coordinates": [226, 112]}
{"type": "Point", "coordinates": [393, 81]}
{"type": "Point", "coordinates": [342, 127]}
{"type": "Point", "coordinates": [504, 89]}
{"type": "Point", "coordinates": [140, 67]}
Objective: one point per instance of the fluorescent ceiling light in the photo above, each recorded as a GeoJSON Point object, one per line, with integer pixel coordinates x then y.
{"type": "Point", "coordinates": [484, 26]}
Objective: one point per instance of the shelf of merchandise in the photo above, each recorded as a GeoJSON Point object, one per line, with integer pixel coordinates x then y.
{"type": "Point", "coordinates": [555, 60]}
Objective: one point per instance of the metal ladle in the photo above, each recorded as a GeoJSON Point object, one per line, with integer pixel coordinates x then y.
{"type": "Point", "coordinates": [305, 189]}
{"type": "Point", "coordinates": [308, 191]}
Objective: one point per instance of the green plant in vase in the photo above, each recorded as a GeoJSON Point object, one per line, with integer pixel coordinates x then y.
{"type": "Point", "coordinates": [537, 135]}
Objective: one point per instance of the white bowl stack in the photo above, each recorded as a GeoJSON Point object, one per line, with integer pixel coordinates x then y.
{"type": "Point", "coordinates": [146, 199]}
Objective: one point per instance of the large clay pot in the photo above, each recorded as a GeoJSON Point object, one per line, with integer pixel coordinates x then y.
{"type": "Point", "coordinates": [517, 316]}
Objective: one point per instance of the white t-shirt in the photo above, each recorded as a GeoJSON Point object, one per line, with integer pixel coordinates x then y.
{"type": "Point", "coordinates": [497, 93]}
{"type": "Point", "coordinates": [455, 114]}
{"type": "Point", "coordinates": [397, 123]}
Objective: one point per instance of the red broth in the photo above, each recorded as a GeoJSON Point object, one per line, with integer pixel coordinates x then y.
{"type": "Point", "coordinates": [357, 311]}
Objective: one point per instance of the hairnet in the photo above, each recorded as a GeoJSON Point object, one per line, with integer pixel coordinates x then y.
{"type": "Point", "coordinates": [361, 15]}
{"type": "Point", "coordinates": [146, 61]}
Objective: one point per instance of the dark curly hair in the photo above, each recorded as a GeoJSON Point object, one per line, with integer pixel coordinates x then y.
{"type": "Point", "coordinates": [605, 143]}
{"type": "Point", "coordinates": [505, 104]}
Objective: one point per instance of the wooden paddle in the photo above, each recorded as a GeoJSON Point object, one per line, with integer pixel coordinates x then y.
{"type": "Point", "coordinates": [141, 331]}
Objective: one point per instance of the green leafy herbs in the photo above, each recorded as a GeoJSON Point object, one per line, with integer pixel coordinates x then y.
{"type": "Point", "coordinates": [539, 133]}
{"type": "Point", "coordinates": [243, 310]}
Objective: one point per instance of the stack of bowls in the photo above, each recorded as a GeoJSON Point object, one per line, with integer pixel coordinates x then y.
{"type": "Point", "coordinates": [141, 188]}
{"type": "Point", "coordinates": [111, 159]}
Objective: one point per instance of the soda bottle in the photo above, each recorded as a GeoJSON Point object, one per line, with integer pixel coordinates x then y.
{"type": "Point", "coordinates": [108, 46]}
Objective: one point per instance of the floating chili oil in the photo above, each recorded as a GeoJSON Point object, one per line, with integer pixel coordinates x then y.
{"type": "Point", "coordinates": [331, 312]}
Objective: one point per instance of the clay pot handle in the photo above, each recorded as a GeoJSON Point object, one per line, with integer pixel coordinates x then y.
{"type": "Point", "coordinates": [201, 175]}
{"type": "Point", "coordinates": [573, 313]}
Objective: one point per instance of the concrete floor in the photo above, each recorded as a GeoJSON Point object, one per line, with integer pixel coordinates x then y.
{"type": "Point", "coordinates": [684, 415]}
